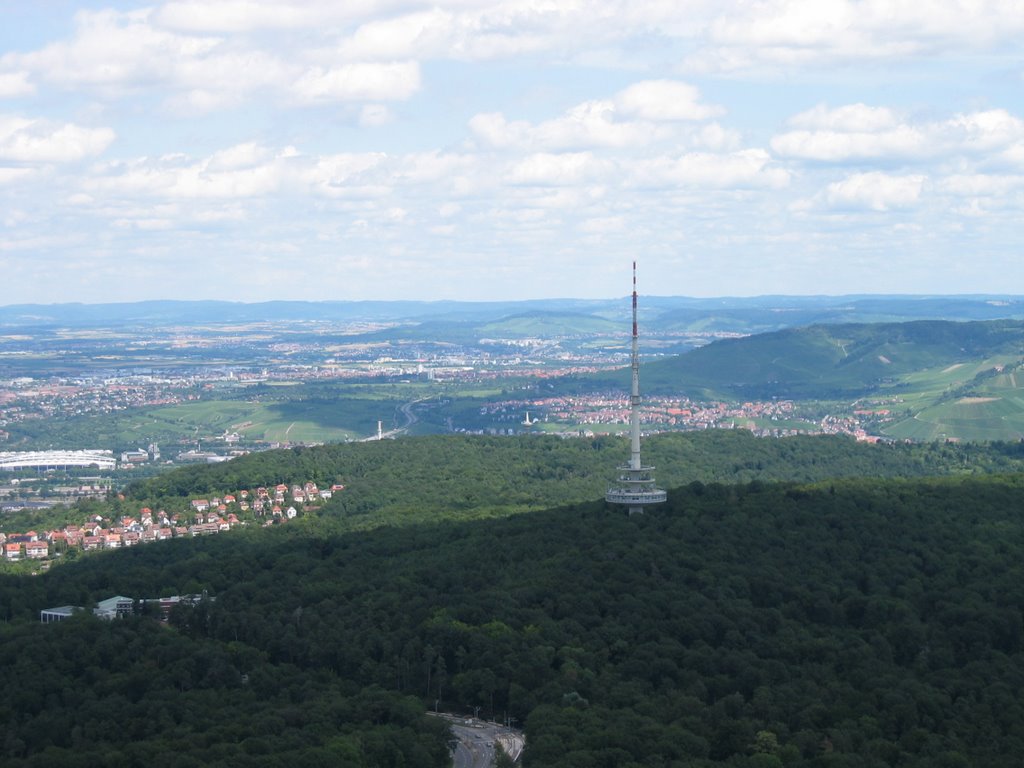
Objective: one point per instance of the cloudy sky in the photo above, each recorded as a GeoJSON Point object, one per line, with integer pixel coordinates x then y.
{"type": "Point", "coordinates": [507, 149]}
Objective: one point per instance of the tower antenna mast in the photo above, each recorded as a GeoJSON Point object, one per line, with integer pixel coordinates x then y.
{"type": "Point", "coordinates": [635, 487]}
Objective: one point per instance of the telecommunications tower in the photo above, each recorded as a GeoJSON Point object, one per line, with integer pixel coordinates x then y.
{"type": "Point", "coordinates": [635, 487]}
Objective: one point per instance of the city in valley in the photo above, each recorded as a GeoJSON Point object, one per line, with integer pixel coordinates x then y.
{"type": "Point", "coordinates": [153, 395]}
{"type": "Point", "coordinates": [90, 404]}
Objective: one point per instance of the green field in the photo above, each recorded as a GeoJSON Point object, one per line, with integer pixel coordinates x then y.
{"type": "Point", "coordinates": [273, 422]}
{"type": "Point", "coordinates": [795, 424]}
{"type": "Point", "coordinates": [282, 421]}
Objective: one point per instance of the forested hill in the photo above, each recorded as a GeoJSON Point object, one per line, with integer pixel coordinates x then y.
{"type": "Point", "coordinates": [463, 476]}
{"type": "Point", "coordinates": [824, 361]}
{"type": "Point", "coordinates": [851, 623]}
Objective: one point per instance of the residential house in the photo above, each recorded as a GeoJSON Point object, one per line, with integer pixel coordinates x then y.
{"type": "Point", "coordinates": [37, 550]}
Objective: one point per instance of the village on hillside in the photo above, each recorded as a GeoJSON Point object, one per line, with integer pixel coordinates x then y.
{"type": "Point", "coordinates": [264, 506]}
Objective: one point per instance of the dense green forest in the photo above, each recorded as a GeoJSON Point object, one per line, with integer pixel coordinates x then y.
{"type": "Point", "coordinates": [846, 622]}
{"type": "Point", "coordinates": [459, 477]}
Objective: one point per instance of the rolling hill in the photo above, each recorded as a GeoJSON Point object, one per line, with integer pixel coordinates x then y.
{"type": "Point", "coordinates": [835, 361]}
{"type": "Point", "coordinates": [936, 379]}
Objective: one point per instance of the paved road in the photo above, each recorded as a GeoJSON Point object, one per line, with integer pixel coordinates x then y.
{"type": "Point", "coordinates": [475, 748]}
{"type": "Point", "coordinates": [477, 739]}
{"type": "Point", "coordinates": [410, 419]}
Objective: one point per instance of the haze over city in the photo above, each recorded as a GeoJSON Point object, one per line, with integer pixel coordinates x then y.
{"type": "Point", "coordinates": [253, 150]}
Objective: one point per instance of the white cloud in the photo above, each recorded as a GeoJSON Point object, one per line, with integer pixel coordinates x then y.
{"type": "Point", "coordinates": [13, 175]}
{"type": "Point", "coordinates": [224, 78]}
{"type": "Point", "coordinates": [119, 54]}
{"type": "Point", "coordinates": [252, 170]}
{"type": "Point", "coordinates": [145, 224]}
{"type": "Point", "coordinates": [980, 185]}
{"type": "Point", "coordinates": [658, 100]}
{"type": "Point", "coordinates": [248, 15]}
{"type": "Point", "coordinates": [874, 191]}
{"type": "Point", "coordinates": [798, 34]}
{"type": "Point", "coordinates": [239, 172]}
{"type": "Point", "coordinates": [993, 129]}
{"type": "Point", "coordinates": [750, 168]}
{"type": "Point", "coordinates": [420, 34]}
{"type": "Point", "coordinates": [239, 156]}
{"type": "Point", "coordinates": [477, 31]}
{"type": "Point", "coordinates": [431, 168]}
{"type": "Point", "coordinates": [603, 225]}
{"type": "Point", "coordinates": [718, 138]}
{"type": "Point", "coordinates": [851, 118]}
{"type": "Point", "coordinates": [36, 243]}
{"type": "Point", "coordinates": [375, 115]}
{"type": "Point", "coordinates": [839, 146]}
{"type": "Point", "coordinates": [117, 50]}
{"type": "Point", "coordinates": [1014, 154]}
{"type": "Point", "coordinates": [345, 174]}
{"type": "Point", "coordinates": [641, 114]}
{"type": "Point", "coordinates": [14, 84]}
{"type": "Point", "coordinates": [361, 81]}
{"type": "Point", "coordinates": [590, 124]}
{"type": "Point", "coordinates": [561, 122]}
{"type": "Point", "coordinates": [546, 169]}
{"type": "Point", "coordinates": [39, 141]}
{"type": "Point", "coordinates": [859, 132]}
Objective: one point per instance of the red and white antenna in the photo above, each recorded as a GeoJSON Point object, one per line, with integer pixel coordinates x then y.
{"type": "Point", "coordinates": [634, 300]}
{"type": "Point", "coordinates": [635, 488]}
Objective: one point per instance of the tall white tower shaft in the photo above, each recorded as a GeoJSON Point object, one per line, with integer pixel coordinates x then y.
{"type": "Point", "coordinates": [635, 487]}
{"type": "Point", "coordinates": [634, 397]}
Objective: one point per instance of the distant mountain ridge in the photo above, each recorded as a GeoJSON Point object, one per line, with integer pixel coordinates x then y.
{"type": "Point", "coordinates": [658, 314]}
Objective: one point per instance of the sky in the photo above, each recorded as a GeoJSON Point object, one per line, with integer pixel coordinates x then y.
{"type": "Point", "coordinates": [251, 150]}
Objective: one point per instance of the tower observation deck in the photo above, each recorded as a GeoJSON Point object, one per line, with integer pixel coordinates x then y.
{"type": "Point", "coordinates": [635, 486]}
